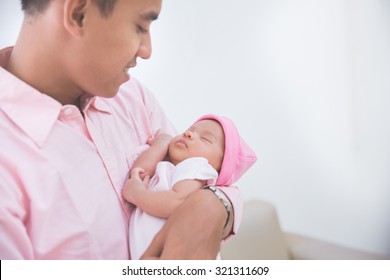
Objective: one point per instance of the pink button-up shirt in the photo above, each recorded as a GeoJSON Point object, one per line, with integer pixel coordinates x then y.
{"type": "Point", "coordinates": [61, 175]}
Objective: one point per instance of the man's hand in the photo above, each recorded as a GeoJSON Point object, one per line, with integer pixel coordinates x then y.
{"type": "Point", "coordinates": [194, 230]}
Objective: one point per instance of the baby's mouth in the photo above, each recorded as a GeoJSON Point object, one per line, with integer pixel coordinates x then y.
{"type": "Point", "coordinates": [181, 142]}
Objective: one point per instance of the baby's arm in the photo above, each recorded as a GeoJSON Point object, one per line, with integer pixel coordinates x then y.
{"type": "Point", "coordinates": [157, 203]}
{"type": "Point", "coordinates": [157, 152]}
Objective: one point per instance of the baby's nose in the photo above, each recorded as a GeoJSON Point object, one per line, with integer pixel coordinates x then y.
{"type": "Point", "coordinates": [188, 134]}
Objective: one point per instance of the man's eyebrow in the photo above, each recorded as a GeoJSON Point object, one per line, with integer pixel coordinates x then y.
{"type": "Point", "coordinates": [149, 16]}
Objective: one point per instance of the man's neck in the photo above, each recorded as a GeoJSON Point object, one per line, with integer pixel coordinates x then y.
{"type": "Point", "coordinates": [36, 62]}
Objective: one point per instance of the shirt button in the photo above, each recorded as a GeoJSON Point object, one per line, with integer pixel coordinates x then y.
{"type": "Point", "coordinates": [68, 111]}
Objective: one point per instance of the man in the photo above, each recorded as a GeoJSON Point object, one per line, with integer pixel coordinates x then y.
{"type": "Point", "coordinates": [71, 122]}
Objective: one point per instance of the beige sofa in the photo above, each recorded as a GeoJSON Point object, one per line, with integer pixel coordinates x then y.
{"type": "Point", "coordinates": [260, 238]}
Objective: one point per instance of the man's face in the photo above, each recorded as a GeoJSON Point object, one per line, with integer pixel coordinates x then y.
{"type": "Point", "coordinates": [110, 45]}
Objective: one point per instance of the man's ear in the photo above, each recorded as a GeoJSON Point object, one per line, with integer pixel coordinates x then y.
{"type": "Point", "coordinates": [74, 12]}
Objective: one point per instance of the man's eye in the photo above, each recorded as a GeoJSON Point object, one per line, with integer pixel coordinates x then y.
{"type": "Point", "coordinates": [142, 30]}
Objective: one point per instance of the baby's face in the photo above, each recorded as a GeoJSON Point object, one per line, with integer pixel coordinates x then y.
{"type": "Point", "coordinates": [203, 139]}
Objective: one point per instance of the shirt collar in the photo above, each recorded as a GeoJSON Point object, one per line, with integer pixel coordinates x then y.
{"type": "Point", "coordinates": [33, 112]}
{"type": "Point", "coordinates": [90, 101]}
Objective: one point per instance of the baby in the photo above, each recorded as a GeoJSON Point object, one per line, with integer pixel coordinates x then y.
{"type": "Point", "coordinates": [210, 152]}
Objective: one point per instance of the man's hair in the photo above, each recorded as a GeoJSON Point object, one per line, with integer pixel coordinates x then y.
{"type": "Point", "coordinates": [32, 7]}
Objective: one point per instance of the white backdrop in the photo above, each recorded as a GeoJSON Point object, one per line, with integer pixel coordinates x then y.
{"type": "Point", "coordinates": [308, 85]}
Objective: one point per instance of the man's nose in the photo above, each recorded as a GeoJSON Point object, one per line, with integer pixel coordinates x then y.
{"type": "Point", "coordinates": [145, 48]}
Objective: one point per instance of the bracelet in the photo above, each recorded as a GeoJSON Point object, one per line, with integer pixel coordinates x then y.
{"type": "Point", "coordinates": [225, 201]}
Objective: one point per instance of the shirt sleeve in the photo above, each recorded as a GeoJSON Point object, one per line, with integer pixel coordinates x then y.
{"type": "Point", "coordinates": [234, 195]}
{"type": "Point", "coordinates": [14, 240]}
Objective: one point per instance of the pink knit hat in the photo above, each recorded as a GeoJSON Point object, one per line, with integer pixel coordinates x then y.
{"type": "Point", "coordinates": [238, 157]}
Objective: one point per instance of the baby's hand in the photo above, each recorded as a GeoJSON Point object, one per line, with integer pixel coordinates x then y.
{"type": "Point", "coordinates": [160, 138]}
{"type": "Point", "coordinates": [135, 185]}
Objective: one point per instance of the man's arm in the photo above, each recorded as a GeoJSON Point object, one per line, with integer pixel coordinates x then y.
{"type": "Point", "coordinates": [193, 231]}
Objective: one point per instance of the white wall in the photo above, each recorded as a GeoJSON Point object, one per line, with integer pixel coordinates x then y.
{"type": "Point", "coordinates": [307, 83]}
{"type": "Point", "coordinates": [10, 21]}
